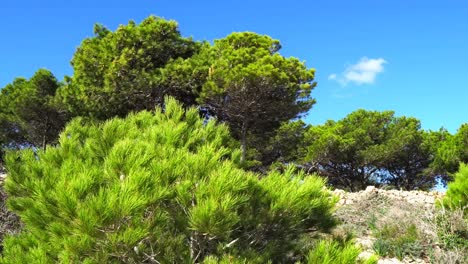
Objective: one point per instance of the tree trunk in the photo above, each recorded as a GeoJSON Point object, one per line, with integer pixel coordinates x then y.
{"type": "Point", "coordinates": [195, 249]}
{"type": "Point", "coordinates": [44, 136]}
{"type": "Point", "coordinates": [193, 246]}
{"type": "Point", "coordinates": [243, 142]}
{"type": "Point", "coordinates": [44, 142]}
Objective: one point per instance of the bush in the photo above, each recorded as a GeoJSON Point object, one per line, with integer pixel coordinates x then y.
{"type": "Point", "coordinates": [452, 230]}
{"type": "Point", "coordinates": [451, 218]}
{"type": "Point", "coordinates": [398, 240]}
{"type": "Point", "coordinates": [457, 194]}
{"type": "Point", "coordinates": [156, 187]}
{"type": "Point", "coordinates": [331, 252]}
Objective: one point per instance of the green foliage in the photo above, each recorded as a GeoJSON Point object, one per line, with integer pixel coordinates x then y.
{"type": "Point", "coordinates": [168, 186]}
{"type": "Point", "coordinates": [461, 139]}
{"type": "Point", "coordinates": [123, 71]}
{"type": "Point", "coordinates": [457, 192]}
{"type": "Point", "coordinates": [29, 114]}
{"type": "Point", "coordinates": [450, 152]}
{"type": "Point", "coordinates": [396, 240]}
{"type": "Point", "coordinates": [331, 252]}
{"type": "Point", "coordinates": [241, 79]}
{"type": "Point", "coordinates": [343, 151]}
{"type": "Point", "coordinates": [11, 135]}
{"type": "Point", "coordinates": [252, 88]}
{"type": "Point", "coordinates": [9, 222]}
{"type": "Point", "coordinates": [368, 148]}
{"type": "Point", "coordinates": [452, 228]}
{"type": "Point", "coordinates": [407, 156]}
{"type": "Point", "coordinates": [229, 259]}
{"type": "Point", "coordinates": [285, 146]}
{"type": "Point", "coordinates": [156, 187]}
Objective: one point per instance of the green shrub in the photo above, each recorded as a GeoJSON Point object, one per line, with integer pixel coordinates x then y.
{"type": "Point", "coordinates": [230, 259]}
{"type": "Point", "coordinates": [452, 228]}
{"type": "Point", "coordinates": [381, 247]}
{"type": "Point", "coordinates": [156, 187]}
{"type": "Point", "coordinates": [332, 252]}
{"type": "Point", "coordinates": [396, 240]}
{"type": "Point", "coordinates": [457, 192]}
{"type": "Point", "coordinates": [451, 217]}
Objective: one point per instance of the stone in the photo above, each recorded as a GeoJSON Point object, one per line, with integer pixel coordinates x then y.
{"type": "Point", "coordinates": [365, 255]}
{"type": "Point", "coordinates": [389, 261]}
{"type": "Point", "coordinates": [365, 242]}
{"type": "Point", "coordinates": [371, 189]}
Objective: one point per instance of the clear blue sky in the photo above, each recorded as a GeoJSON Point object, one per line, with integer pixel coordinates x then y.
{"type": "Point", "coordinates": [417, 51]}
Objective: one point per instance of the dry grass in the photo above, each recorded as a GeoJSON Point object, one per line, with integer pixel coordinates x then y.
{"type": "Point", "coordinates": [452, 229]}
{"type": "Point", "coordinates": [396, 228]}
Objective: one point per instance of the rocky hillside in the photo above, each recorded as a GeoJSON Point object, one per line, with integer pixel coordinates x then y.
{"type": "Point", "coordinates": [399, 226]}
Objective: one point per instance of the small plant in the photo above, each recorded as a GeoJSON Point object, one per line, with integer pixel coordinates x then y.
{"type": "Point", "coordinates": [397, 241]}
{"type": "Point", "coordinates": [455, 256]}
{"type": "Point", "coordinates": [372, 222]}
{"type": "Point", "coordinates": [452, 228]}
{"type": "Point", "coordinates": [381, 247]}
{"type": "Point", "coordinates": [333, 251]}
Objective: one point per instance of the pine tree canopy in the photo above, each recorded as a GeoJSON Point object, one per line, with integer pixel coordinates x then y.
{"type": "Point", "coordinates": [117, 72]}
{"type": "Point", "coordinates": [156, 187]}
{"type": "Point", "coordinates": [29, 114]}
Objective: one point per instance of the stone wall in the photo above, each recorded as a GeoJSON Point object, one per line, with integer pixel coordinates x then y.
{"type": "Point", "coordinates": [413, 197]}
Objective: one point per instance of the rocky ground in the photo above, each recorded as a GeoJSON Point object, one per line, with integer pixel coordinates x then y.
{"type": "Point", "coordinates": [389, 215]}
{"type": "Point", "coordinates": [9, 222]}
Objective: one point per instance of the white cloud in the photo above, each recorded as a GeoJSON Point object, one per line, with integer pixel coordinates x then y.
{"type": "Point", "coordinates": [363, 72]}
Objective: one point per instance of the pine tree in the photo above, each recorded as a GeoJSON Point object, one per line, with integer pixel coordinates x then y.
{"type": "Point", "coordinates": [121, 71]}
{"type": "Point", "coordinates": [156, 187]}
{"type": "Point", "coordinates": [457, 191]}
{"type": "Point", "coordinates": [29, 114]}
{"type": "Point", "coordinates": [253, 88]}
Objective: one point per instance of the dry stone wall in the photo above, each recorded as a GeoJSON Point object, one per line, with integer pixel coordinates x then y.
{"type": "Point", "coordinates": [413, 197]}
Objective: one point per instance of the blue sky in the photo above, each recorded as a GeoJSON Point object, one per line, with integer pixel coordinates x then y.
{"type": "Point", "coordinates": [401, 55]}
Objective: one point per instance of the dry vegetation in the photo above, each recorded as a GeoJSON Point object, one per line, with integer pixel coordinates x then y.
{"type": "Point", "coordinates": [9, 222]}
{"type": "Point", "coordinates": [404, 227]}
